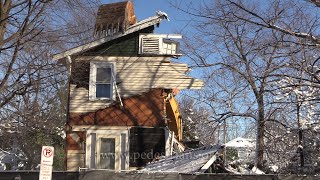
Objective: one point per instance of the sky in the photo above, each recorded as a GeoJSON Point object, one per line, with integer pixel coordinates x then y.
{"type": "Point", "coordinates": [179, 22]}
{"type": "Point", "coordinates": [147, 8]}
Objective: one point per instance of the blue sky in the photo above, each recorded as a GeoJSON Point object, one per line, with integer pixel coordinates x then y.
{"type": "Point", "coordinates": [147, 8]}
{"type": "Point", "coordinates": [178, 22]}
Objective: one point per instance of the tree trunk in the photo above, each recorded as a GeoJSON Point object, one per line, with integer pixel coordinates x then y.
{"type": "Point", "coordinates": [301, 148]}
{"type": "Point", "coordinates": [300, 135]}
{"type": "Point", "coordinates": [260, 133]}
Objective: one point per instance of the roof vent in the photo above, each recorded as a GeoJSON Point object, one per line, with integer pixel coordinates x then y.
{"type": "Point", "coordinates": [114, 18]}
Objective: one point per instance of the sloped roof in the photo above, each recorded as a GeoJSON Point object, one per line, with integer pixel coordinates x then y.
{"type": "Point", "coordinates": [187, 162]}
{"type": "Point", "coordinates": [134, 28]}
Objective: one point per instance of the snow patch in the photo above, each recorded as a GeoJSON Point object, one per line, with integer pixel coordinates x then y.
{"type": "Point", "coordinates": [240, 142]}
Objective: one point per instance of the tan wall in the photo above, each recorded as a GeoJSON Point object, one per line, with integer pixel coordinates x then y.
{"type": "Point", "coordinates": [134, 75]}
{"type": "Point", "coordinates": [75, 159]}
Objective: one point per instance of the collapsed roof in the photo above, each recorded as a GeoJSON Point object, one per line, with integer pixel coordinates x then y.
{"type": "Point", "coordinates": [192, 161]}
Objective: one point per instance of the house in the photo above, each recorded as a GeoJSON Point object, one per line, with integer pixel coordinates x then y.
{"type": "Point", "coordinates": [244, 149]}
{"type": "Point", "coordinates": [122, 112]}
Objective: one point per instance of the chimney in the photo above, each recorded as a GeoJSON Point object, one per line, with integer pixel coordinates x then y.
{"type": "Point", "coordinates": [114, 18]}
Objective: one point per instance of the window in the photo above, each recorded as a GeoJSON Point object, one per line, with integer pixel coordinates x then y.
{"type": "Point", "coordinates": [101, 80]}
{"type": "Point", "coordinates": [106, 159]}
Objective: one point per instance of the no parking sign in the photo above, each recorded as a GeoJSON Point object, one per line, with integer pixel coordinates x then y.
{"type": "Point", "coordinates": [47, 153]}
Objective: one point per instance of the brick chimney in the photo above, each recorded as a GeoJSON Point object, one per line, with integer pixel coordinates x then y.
{"type": "Point", "coordinates": [114, 18]}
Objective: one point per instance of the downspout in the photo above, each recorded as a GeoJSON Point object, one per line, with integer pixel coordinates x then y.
{"type": "Point", "coordinates": [68, 64]}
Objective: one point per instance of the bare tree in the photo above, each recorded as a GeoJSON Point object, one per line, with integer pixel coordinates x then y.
{"type": "Point", "coordinates": [32, 86]}
{"type": "Point", "coordinates": [292, 18]}
{"type": "Point", "coordinates": [29, 31]}
{"type": "Point", "coordinates": [244, 60]}
{"type": "Point", "coordinates": [197, 124]}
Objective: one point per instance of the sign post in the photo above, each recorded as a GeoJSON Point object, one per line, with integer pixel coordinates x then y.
{"type": "Point", "coordinates": [46, 163]}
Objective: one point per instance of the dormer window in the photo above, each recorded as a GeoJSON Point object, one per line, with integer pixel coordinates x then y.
{"type": "Point", "coordinates": [159, 44]}
{"type": "Point", "coordinates": [101, 81]}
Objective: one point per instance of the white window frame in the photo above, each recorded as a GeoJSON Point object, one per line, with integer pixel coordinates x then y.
{"type": "Point", "coordinates": [93, 75]}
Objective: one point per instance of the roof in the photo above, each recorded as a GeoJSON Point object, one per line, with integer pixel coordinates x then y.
{"type": "Point", "coordinates": [187, 162]}
{"type": "Point", "coordinates": [241, 142]}
{"type": "Point", "coordinates": [134, 28]}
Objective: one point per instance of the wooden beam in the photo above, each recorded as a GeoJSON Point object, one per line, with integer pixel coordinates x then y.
{"type": "Point", "coordinates": [95, 127]}
{"type": "Point", "coordinates": [208, 164]}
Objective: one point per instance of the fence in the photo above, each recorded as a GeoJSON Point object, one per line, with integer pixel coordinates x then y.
{"type": "Point", "coordinates": [133, 175]}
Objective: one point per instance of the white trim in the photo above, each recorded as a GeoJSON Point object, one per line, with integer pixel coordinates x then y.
{"type": "Point", "coordinates": [160, 45]}
{"type": "Point", "coordinates": [111, 133]}
{"type": "Point", "coordinates": [166, 36]}
{"type": "Point", "coordinates": [95, 128]}
{"type": "Point", "coordinates": [92, 80]}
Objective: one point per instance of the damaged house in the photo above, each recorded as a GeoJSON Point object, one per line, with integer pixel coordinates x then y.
{"type": "Point", "coordinates": [122, 112]}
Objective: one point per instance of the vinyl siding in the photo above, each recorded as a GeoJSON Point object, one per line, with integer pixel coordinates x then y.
{"type": "Point", "coordinates": [134, 75]}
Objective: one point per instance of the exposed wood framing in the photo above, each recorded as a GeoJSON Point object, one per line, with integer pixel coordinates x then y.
{"type": "Point", "coordinates": [208, 164]}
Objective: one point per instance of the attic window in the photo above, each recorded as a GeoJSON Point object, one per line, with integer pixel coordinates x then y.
{"type": "Point", "coordinates": [101, 80]}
